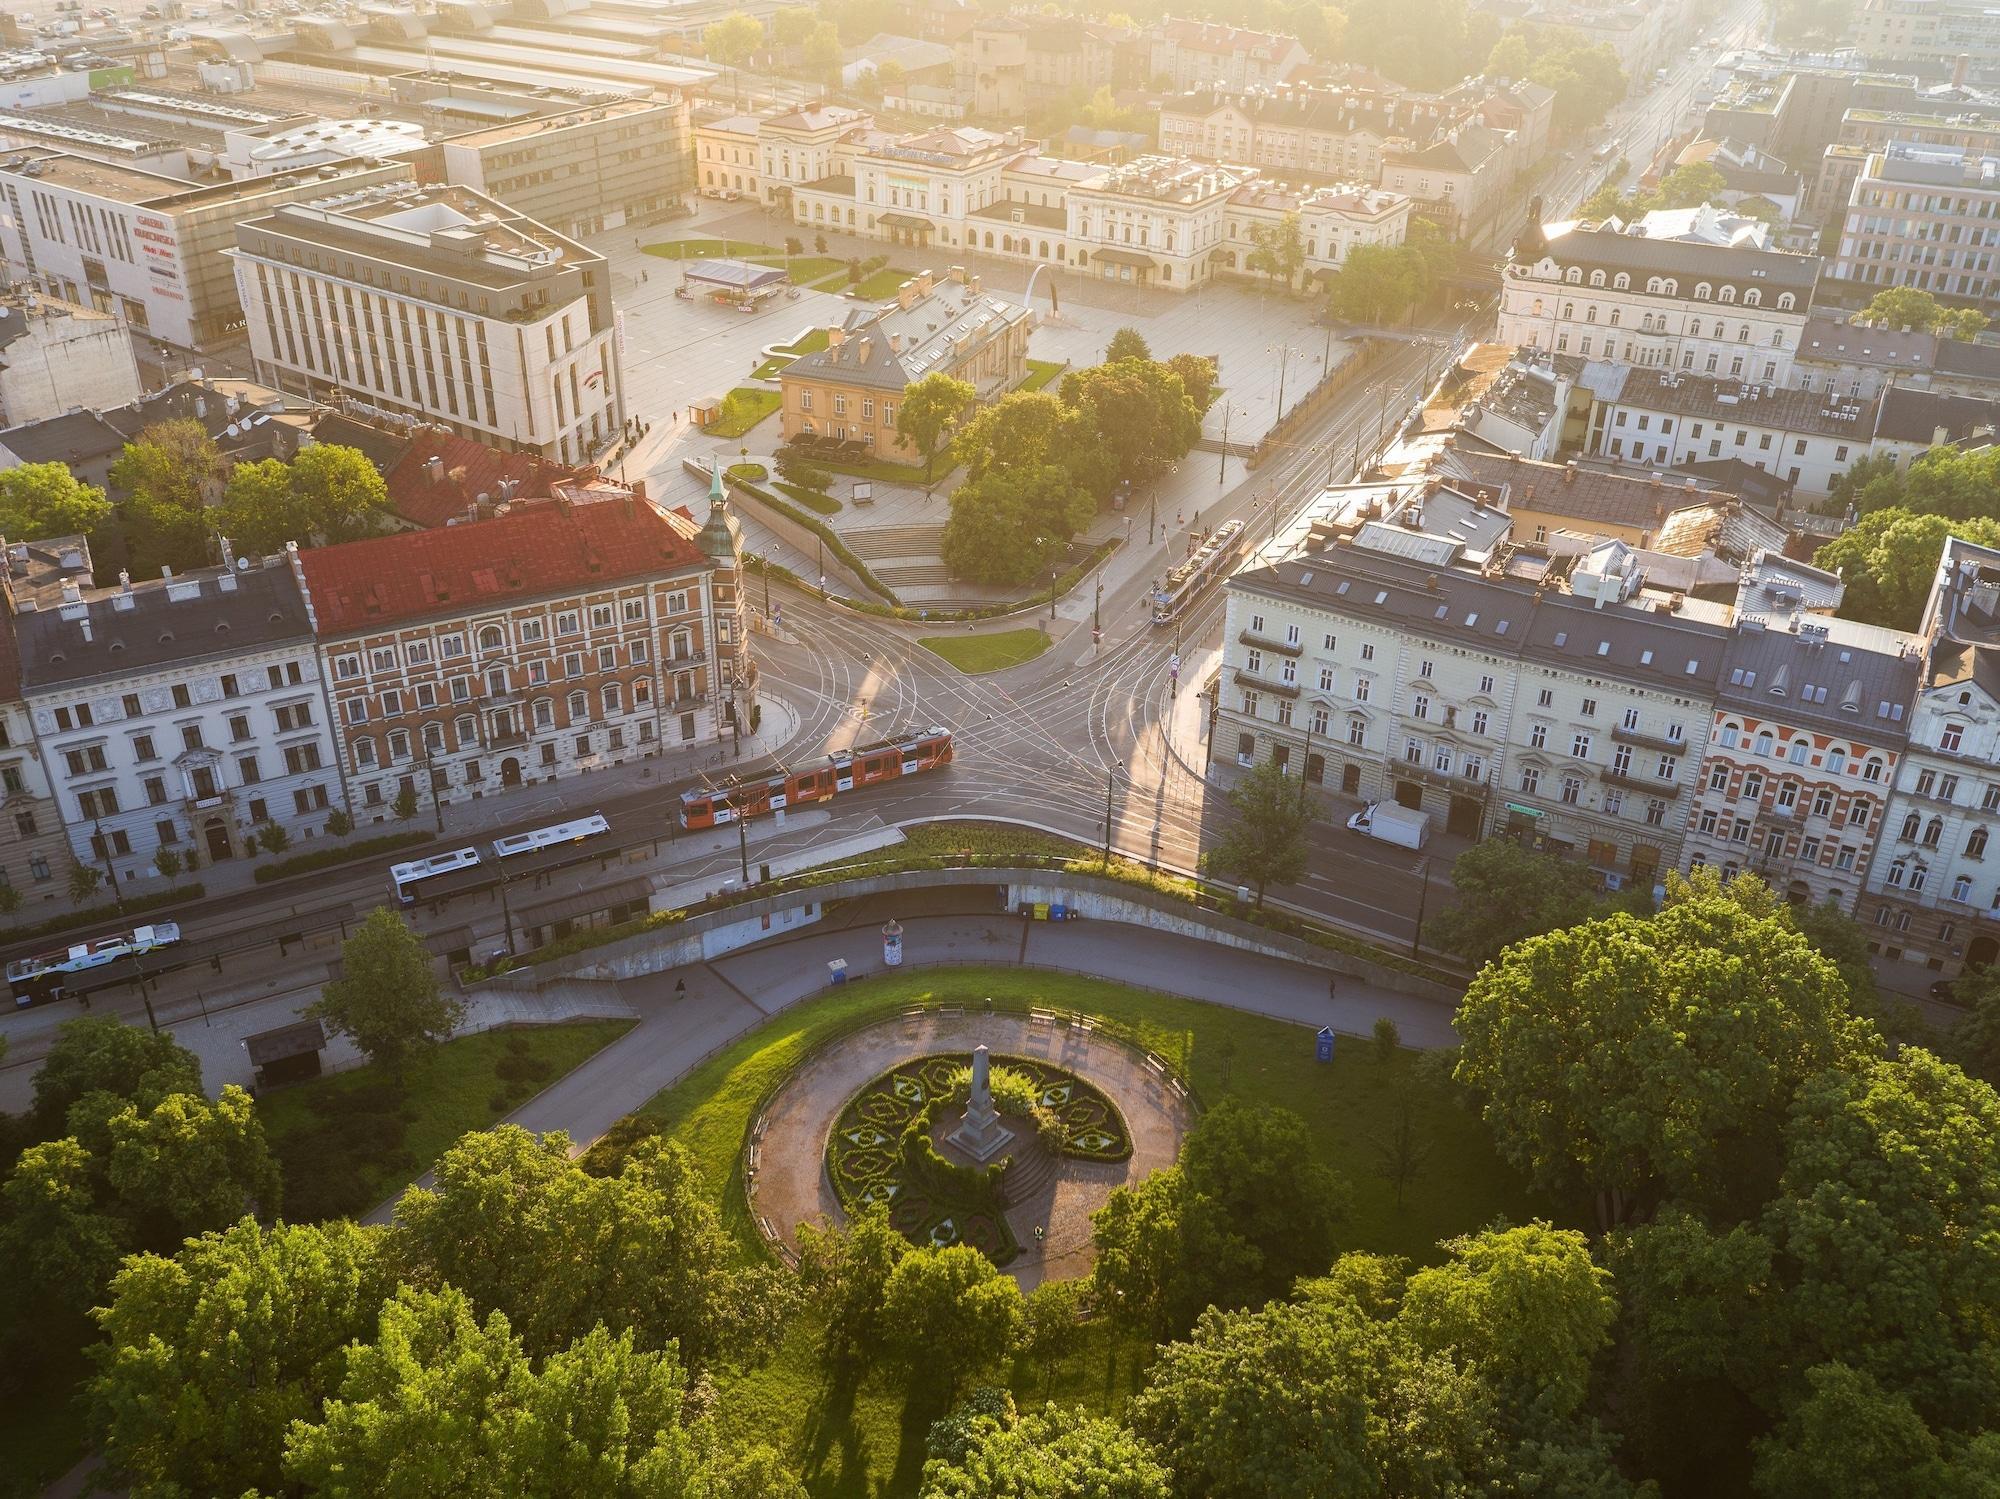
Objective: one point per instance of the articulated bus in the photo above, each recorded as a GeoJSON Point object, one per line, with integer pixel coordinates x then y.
{"type": "Point", "coordinates": [847, 770]}
{"type": "Point", "coordinates": [512, 857]}
{"type": "Point", "coordinates": [43, 976]}
{"type": "Point", "coordinates": [1190, 579]}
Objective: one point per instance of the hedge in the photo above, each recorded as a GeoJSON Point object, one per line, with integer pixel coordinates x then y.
{"type": "Point", "coordinates": [98, 915]}
{"type": "Point", "coordinates": [826, 534]}
{"type": "Point", "coordinates": [574, 943]}
{"type": "Point", "coordinates": [345, 853]}
{"type": "Point", "coordinates": [812, 499]}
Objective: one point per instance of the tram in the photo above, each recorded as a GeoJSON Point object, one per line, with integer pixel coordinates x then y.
{"type": "Point", "coordinates": [514, 856]}
{"type": "Point", "coordinates": [827, 777]}
{"type": "Point", "coordinates": [1191, 579]}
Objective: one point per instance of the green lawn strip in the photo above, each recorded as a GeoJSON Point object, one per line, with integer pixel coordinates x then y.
{"type": "Point", "coordinates": [770, 369]}
{"type": "Point", "coordinates": [879, 469]}
{"type": "Point", "coordinates": [700, 249]}
{"type": "Point", "coordinates": [752, 472]}
{"type": "Point", "coordinates": [812, 343]}
{"type": "Point", "coordinates": [881, 285]}
{"type": "Point", "coordinates": [333, 1136]}
{"type": "Point", "coordinates": [803, 269]}
{"type": "Point", "coordinates": [973, 654]}
{"type": "Point", "coordinates": [742, 409]}
{"type": "Point", "coordinates": [1040, 373]}
{"type": "Point", "coordinates": [1347, 1103]}
{"type": "Point", "coordinates": [812, 499]}
{"type": "Point", "coordinates": [43, 1428]}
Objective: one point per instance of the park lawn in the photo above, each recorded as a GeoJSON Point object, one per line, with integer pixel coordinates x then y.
{"type": "Point", "coordinates": [803, 269]}
{"type": "Point", "coordinates": [875, 468]}
{"type": "Point", "coordinates": [1040, 373]}
{"type": "Point", "coordinates": [880, 285]}
{"type": "Point", "coordinates": [750, 473]}
{"type": "Point", "coordinates": [742, 409]}
{"type": "Point", "coordinates": [770, 369]}
{"type": "Point", "coordinates": [812, 499]}
{"type": "Point", "coordinates": [973, 654]}
{"type": "Point", "coordinates": [444, 1095]}
{"type": "Point", "coordinates": [699, 249]}
{"type": "Point", "coordinates": [811, 343]}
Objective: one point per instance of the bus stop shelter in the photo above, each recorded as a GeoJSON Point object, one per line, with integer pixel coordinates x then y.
{"type": "Point", "coordinates": [737, 283]}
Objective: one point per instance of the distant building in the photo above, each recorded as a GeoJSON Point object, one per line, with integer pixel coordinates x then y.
{"type": "Point", "coordinates": [1197, 54]}
{"type": "Point", "coordinates": [437, 303]}
{"type": "Point", "coordinates": [57, 357]}
{"type": "Point", "coordinates": [851, 389]}
{"type": "Point", "coordinates": [34, 853]}
{"type": "Point", "coordinates": [1156, 221]}
{"type": "Point", "coordinates": [725, 151]}
{"type": "Point", "coordinates": [990, 68]}
{"type": "Point", "coordinates": [1333, 221]}
{"type": "Point", "coordinates": [1923, 217]}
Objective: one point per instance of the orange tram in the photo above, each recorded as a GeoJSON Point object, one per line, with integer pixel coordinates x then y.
{"type": "Point", "coordinates": [849, 770]}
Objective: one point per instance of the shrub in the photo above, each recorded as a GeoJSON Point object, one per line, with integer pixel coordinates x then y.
{"type": "Point", "coordinates": [95, 915]}
{"type": "Point", "coordinates": [273, 838]}
{"type": "Point", "coordinates": [346, 853]}
{"type": "Point", "coordinates": [338, 824]}
{"type": "Point", "coordinates": [1049, 1129]}
{"type": "Point", "coordinates": [1387, 1039]}
{"type": "Point", "coordinates": [502, 1102]}
{"type": "Point", "coordinates": [167, 862]}
{"type": "Point", "coordinates": [523, 1070]}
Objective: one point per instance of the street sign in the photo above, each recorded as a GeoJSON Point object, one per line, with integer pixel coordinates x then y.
{"type": "Point", "coordinates": [1174, 663]}
{"type": "Point", "coordinates": [1323, 1044]}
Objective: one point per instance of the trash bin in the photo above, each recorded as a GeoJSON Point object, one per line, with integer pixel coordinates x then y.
{"type": "Point", "coordinates": [836, 970]}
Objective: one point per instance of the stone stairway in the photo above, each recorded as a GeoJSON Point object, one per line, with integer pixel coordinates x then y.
{"type": "Point", "coordinates": [912, 574]}
{"type": "Point", "coordinates": [1032, 1176]}
{"type": "Point", "coordinates": [872, 542]}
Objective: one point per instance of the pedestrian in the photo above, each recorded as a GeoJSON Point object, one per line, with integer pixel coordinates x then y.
{"type": "Point", "coordinates": [1332, 988]}
{"type": "Point", "coordinates": [680, 988]}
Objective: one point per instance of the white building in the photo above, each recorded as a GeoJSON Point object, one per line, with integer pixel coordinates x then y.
{"type": "Point", "coordinates": [1199, 54]}
{"type": "Point", "coordinates": [1154, 221]}
{"type": "Point", "coordinates": [57, 357]}
{"type": "Point", "coordinates": [183, 714]}
{"type": "Point", "coordinates": [1692, 291]}
{"type": "Point", "coordinates": [1332, 220]}
{"type": "Point", "coordinates": [439, 303]}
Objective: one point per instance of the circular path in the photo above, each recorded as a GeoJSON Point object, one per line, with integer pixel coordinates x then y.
{"type": "Point", "coordinates": [790, 1184]}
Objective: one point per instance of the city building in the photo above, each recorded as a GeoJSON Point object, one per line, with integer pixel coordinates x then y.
{"type": "Point", "coordinates": [1332, 221]}
{"type": "Point", "coordinates": [1922, 216]}
{"type": "Point", "coordinates": [34, 851]}
{"type": "Point", "coordinates": [1459, 182]}
{"type": "Point", "coordinates": [551, 641]}
{"type": "Point", "coordinates": [1156, 221]}
{"type": "Point", "coordinates": [1509, 401]}
{"type": "Point", "coordinates": [436, 303]}
{"type": "Point", "coordinates": [725, 156]}
{"type": "Point", "coordinates": [1930, 33]}
{"type": "Point", "coordinates": [803, 145]}
{"type": "Point", "coordinates": [56, 357]}
{"type": "Point", "coordinates": [147, 248]}
{"type": "Point", "coordinates": [916, 190]}
{"type": "Point", "coordinates": [183, 715]}
{"type": "Point", "coordinates": [1068, 55]}
{"type": "Point", "coordinates": [620, 163]}
{"type": "Point", "coordinates": [1695, 290]}
{"type": "Point", "coordinates": [990, 68]}
{"type": "Point", "coordinates": [850, 390]}
{"type": "Point", "coordinates": [1314, 130]}
{"type": "Point", "coordinates": [1810, 726]}
{"type": "Point", "coordinates": [1200, 54]}
{"type": "Point", "coordinates": [1858, 361]}
{"type": "Point", "coordinates": [1932, 896]}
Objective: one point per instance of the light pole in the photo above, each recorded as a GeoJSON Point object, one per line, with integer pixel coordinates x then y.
{"type": "Point", "coordinates": [1305, 766]}
{"type": "Point", "coordinates": [1222, 458]}
{"type": "Point", "coordinates": [742, 832]}
{"type": "Point", "coordinates": [1284, 353]}
{"type": "Point", "coordinates": [1052, 592]}
{"type": "Point", "coordinates": [1152, 510]}
{"type": "Point", "coordinates": [1097, 610]}
{"type": "Point", "coordinates": [1423, 899]}
{"type": "Point", "coordinates": [1110, 784]}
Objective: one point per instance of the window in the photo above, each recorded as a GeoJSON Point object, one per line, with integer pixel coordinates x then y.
{"type": "Point", "coordinates": [1531, 779]}
{"type": "Point", "coordinates": [1579, 746]}
{"type": "Point", "coordinates": [1572, 790]}
{"type": "Point", "coordinates": [1656, 812]}
{"type": "Point", "coordinates": [1361, 689]}
{"type": "Point", "coordinates": [1546, 699]}
{"type": "Point", "coordinates": [1538, 735]}
{"type": "Point", "coordinates": [156, 791]}
{"type": "Point", "coordinates": [303, 757]}
{"type": "Point", "coordinates": [292, 716]}
{"type": "Point", "coordinates": [229, 688]}
{"type": "Point", "coordinates": [1668, 767]}
{"type": "Point", "coordinates": [1975, 844]}
{"type": "Point", "coordinates": [1479, 720]}
{"type": "Point", "coordinates": [1951, 738]}
{"type": "Point", "coordinates": [1421, 708]}
{"type": "Point", "coordinates": [1357, 732]}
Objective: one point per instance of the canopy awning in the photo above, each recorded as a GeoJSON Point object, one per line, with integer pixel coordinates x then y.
{"type": "Point", "coordinates": [1127, 257]}
{"type": "Point", "coordinates": [907, 221]}
{"type": "Point", "coordinates": [736, 275]}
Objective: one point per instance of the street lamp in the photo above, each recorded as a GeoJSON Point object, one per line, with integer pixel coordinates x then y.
{"type": "Point", "coordinates": [1423, 899]}
{"type": "Point", "coordinates": [1284, 353]}
{"type": "Point", "coordinates": [1110, 784]}
{"type": "Point", "coordinates": [1052, 591]}
{"type": "Point", "coordinates": [1222, 458]}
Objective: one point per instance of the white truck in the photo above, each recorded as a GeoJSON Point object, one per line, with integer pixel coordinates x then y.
{"type": "Point", "coordinates": [1391, 823]}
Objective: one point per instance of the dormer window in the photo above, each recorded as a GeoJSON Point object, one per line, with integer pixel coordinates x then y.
{"type": "Point", "coordinates": [1702, 291]}
{"type": "Point", "coordinates": [1621, 282]}
{"type": "Point", "coordinates": [1597, 278]}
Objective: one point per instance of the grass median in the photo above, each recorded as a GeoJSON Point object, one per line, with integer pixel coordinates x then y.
{"type": "Point", "coordinates": [973, 654]}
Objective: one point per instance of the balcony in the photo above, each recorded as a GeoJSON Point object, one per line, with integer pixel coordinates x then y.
{"type": "Point", "coordinates": [1651, 741]}
{"type": "Point", "coordinates": [1641, 783]}
{"type": "Point", "coordinates": [1265, 643]}
{"type": "Point", "coordinates": [1264, 684]}
{"type": "Point", "coordinates": [1457, 783]}
{"type": "Point", "coordinates": [209, 801]}
{"type": "Point", "coordinates": [510, 739]}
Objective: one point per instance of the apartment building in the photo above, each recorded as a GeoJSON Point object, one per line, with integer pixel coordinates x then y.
{"type": "Point", "coordinates": [725, 156]}
{"type": "Point", "coordinates": [147, 248]}
{"type": "Point", "coordinates": [1310, 129]}
{"type": "Point", "coordinates": [1408, 649]}
{"type": "Point", "coordinates": [1695, 290]}
{"type": "Point", "coordinates": [619, 163]}
{"type": "Point", "coordinates": [34, 851]}
{"type": "Point", "coordinates": [183, 715]}
{"type": "Point", "coordinates": [1202, 54]}
{"type": "Point", "coordinates": [1333, 221]}
{"type": "Point", "coordinates": [1931, 34]}
{"type": "Point", "coordinates": [438, 303]}
{"type": "Point", "coordinates": [1932, 897]}
{"type": "Point", "coordinates": [1067, 55]}
{"type": "Point", "coordinates": [851, 389]}
{"type": "Point", "coordinates": [57, 357]}
{"type": "Point", "coordinates": [1926, 217]}
{"type": "Point", "coordinates": [551, 641]}
{"type": "Point", "coordinates": [1460, 181]}
{"type": "Point", "coordinates": [1154, 221]}
{"type": "Point", "coordinates": [1810, 728]}
{"type": "Point", "coordinates": [990, 67]}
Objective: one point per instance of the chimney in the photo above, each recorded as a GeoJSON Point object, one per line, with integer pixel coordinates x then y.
{"type": "Point", "coordinates": [835, 337]}
{"type": "Point", "coordinates": [166, 575]}
{"type": "Point", "coordinates": [1958, 66]}
{"type": "Point", "coordinates": [1569, 472]}
{"type": "Point", "coordinates": [434, 469]}
{"type": "Point", "coordinates": [907, 294]}
{"type": "Point", "coordinates": [1940, 435]}
{"type": "Point", "coordinates": [124, 581]}
{"type": "Point", "coordinates": [925, 282]}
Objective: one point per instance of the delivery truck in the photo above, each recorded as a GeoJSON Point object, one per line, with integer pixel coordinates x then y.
{"type": "Point", "coordinates": [1391, 823]}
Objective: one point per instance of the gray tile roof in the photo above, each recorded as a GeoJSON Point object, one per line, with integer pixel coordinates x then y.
{"type": "Point", "coordinates": [1830, 340]}
{"type": "Point", "coordinates": [1916, 415]}
{"type": "Point", "coordinates": [898, 346]}
{"type": "Point", "coordinates": [1853, 680]}
{"type": "Point", "coordinates": [162, 621]}
{"type": "Point", "coordinates": [1970, 360]}
{"type": "Point", "coordinates": [1731, 265]}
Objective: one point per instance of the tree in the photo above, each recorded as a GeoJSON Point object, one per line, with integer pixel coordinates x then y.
{"type": "Point", "coordinates": [1975, 1039]}
{"type": "Point", "coordinates": [83, 881]}
{"type": "Point", "coordinates": [1400, 1151]}
{"type": "Point", "coordinates": [327, 494]}
{"type": "Point", "coordinates": [1379, 284]}
{"type": "Point", "coordinates": [188, 1165]}
{"type": "Point", "coordinates": [1197, 372]}
{"type": "Point", "coordinates": [1509, 57]}
{"type": "Point", "coordinates": [1882, 1225]}
{"type": "Point", "coordinates": [1944, 481]}
{"type": "Point", "coordinates": [387, 999]}
{"type": "Point", "coordinates": [1138, 1273]}
{"type": "Point", "coordinates": [39, 500]}
{"type": "Point", "coordinates": [791, 26]}
{"type": "Point", "coordinates": [1142, 414]}
{"type": "Point", "coordinates": [1651, 1059]}
{"type": "Point", "coordinates": [1692, 185]}
{"type": "Point", "coordinates": [1264, 843]}
{"type": "Point", "coordinates": [60, 1245]}
{"type": "Point", "coordinates": [1587, 81]}
{"type": "Point", "coordinates": [1849, 1437]}
{"type": "Point", "coordinates": [1028, 428]}
{"type": "Point", "coordinates": [822, 54]}
{"type": "Point", "coordinates": [1051, 1455]}
{"type": "Point", "coordinates": [931, 410]}
{"type": "Point", "coordinates": [843, 1272]}
{"type": "Point", "coordinates": [1127, 343]}
{"type": "Point", "coordinates": [1909, 309]}
{"type": "Point", "coordinates": [211, 1356]}
{"type": "Point", "coordinates": [1423, 44]}
{"type": "Point", "coordinates": [1052, 1324]}
{"type": "Point", "coordinates": [1278, 250]}
{"type": "Point", "coordinates": [949, 1312]}
{"type": "Point", "coordinates": [1008, 524]}
{"type": "Point", "coordinates": [523, 1230]}
{"type": "Point", "coordinates": [101, 1054]}
{"type": "Point", "coordinates": [1507, 893]}
{"type": "Point", "coordinates": [441, 1401]}
{"type": "Point", "coordinates": [1890, 558]}
{"type": "Point", "coordinates": [169, 476]}
{"type": "Point", "coordinates": [405, 805]}
{"type": "Point", "coordinates": [731, 40]}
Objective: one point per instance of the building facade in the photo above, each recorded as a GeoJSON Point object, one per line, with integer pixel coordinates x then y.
{"type": "Point", "coordinates": [1155, 221]}
{"type": "Point", "coordinates": [551, 641]}
{"type": "Point", "coordinates": [1923, 216]}
{"type": "Point", "coordinates": [34, 851]}
{"type": "Point", "coordinates": [56, 357]}
{"type": "Point", "coordinates": [180, 717]}
{"type": "Point", "coordinates": [441, 304]}
{"type": "Point", "coordinates": [725, 156]}
{"type": "Point", "coordinates": [1202, 54]}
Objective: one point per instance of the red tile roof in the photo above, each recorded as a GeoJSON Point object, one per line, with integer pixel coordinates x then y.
{"type": "Point", "coordinates": [539, 551]}
{"type": "Point", "coordinates": [468, 470]}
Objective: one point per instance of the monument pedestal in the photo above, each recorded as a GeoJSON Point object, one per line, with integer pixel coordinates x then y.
{"type": "Point", "coordinates": [980, 1134]}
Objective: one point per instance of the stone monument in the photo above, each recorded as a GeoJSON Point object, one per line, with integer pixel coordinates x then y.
{"type": "Point", "coordinates": [980, 1134]}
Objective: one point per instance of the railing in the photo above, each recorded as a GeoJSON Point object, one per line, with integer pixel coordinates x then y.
{"type": "Point", "coordinates": [1263, 684]}
{"type": "Point", "coordinates": [1642, 783]}
{"type": "Point", "coordinates": [1264, 642]}
{"type": "Point", "coordinates": [1651, 741]}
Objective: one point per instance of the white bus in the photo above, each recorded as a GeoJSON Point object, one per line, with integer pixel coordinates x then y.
{"type": "Point", "coordinates": [407, 881]}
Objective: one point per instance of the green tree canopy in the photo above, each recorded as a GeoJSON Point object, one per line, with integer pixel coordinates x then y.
{"type": "Point", "coordinates": [1127, 343]}
{"type": "Point", "coordinates": [731, 40]}
{"type": "Point", "coordinates": [1907, 308]}
{"type": "Point", "coordinates": [949, 1313]}
{"type": "Point", "coordinates": [387, 998]}
{"type": "Point", "coordinates": [1428, 44]}
{"type": "Point", "coordinates": [522, 1229]}
{"type": "Point", "coordinates": [60, 1245]}
{"type": "Point", "coordinates": [1889, 559]}
{"type": "Point", "coordinates": [843, 1272]}
{"type": "Point", "coordinates": [1586, 80]}
{"type": "Point", "coordinates": [187, 1165]}
{"type": "Point", "coordinates": [101, 1054]}
{"type": "Point", "coordinates": [327, 494]}
{"type": "Point", "coordinates": [1198, 375]}
{"type": "Point", "coordinates": [1507, 893]}
{"type": "Point", "coordinates": [1010, 524]}
{"type": "Point", "coordinates": [822, 56]}
{"type": "Point", "coordinates": [39, 500]}
{"type": "Point", "coordinates": [1853, 1438]}
{"type": "Point", "coordinates": [1692, 185]}
{"type": "Point", "coordinates": [791, 26]}
{"type": "Point", "coordinates": [210, 1356]}
{"type": "Point", "coordinates": [1379, 283]}
{"type": "Point", "coordinates": [1645, 1059]}
{"type": "Point", "coordinates": [169, 476]}
{"type": "Point", "coordinates": [930, 412]}
{"type": "Point", "coordinates": [1277, 250]}
{"type": "Point", "coordinates": [1055, 1454]}
{"type": "Point", "coordinates": [1264, 842]}
{"type": "Point", "coordinates": [1032, 427]}
{"type": "Point", "coordinates": [1945, 481]}
{"type": "Point", "coordinates": [1142, 412]}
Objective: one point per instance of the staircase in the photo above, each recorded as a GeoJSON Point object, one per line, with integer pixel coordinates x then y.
{"type": "Point", "coordinates": [1033, 1175]}
{"type": "Point", "coordinates": [875, 542]}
